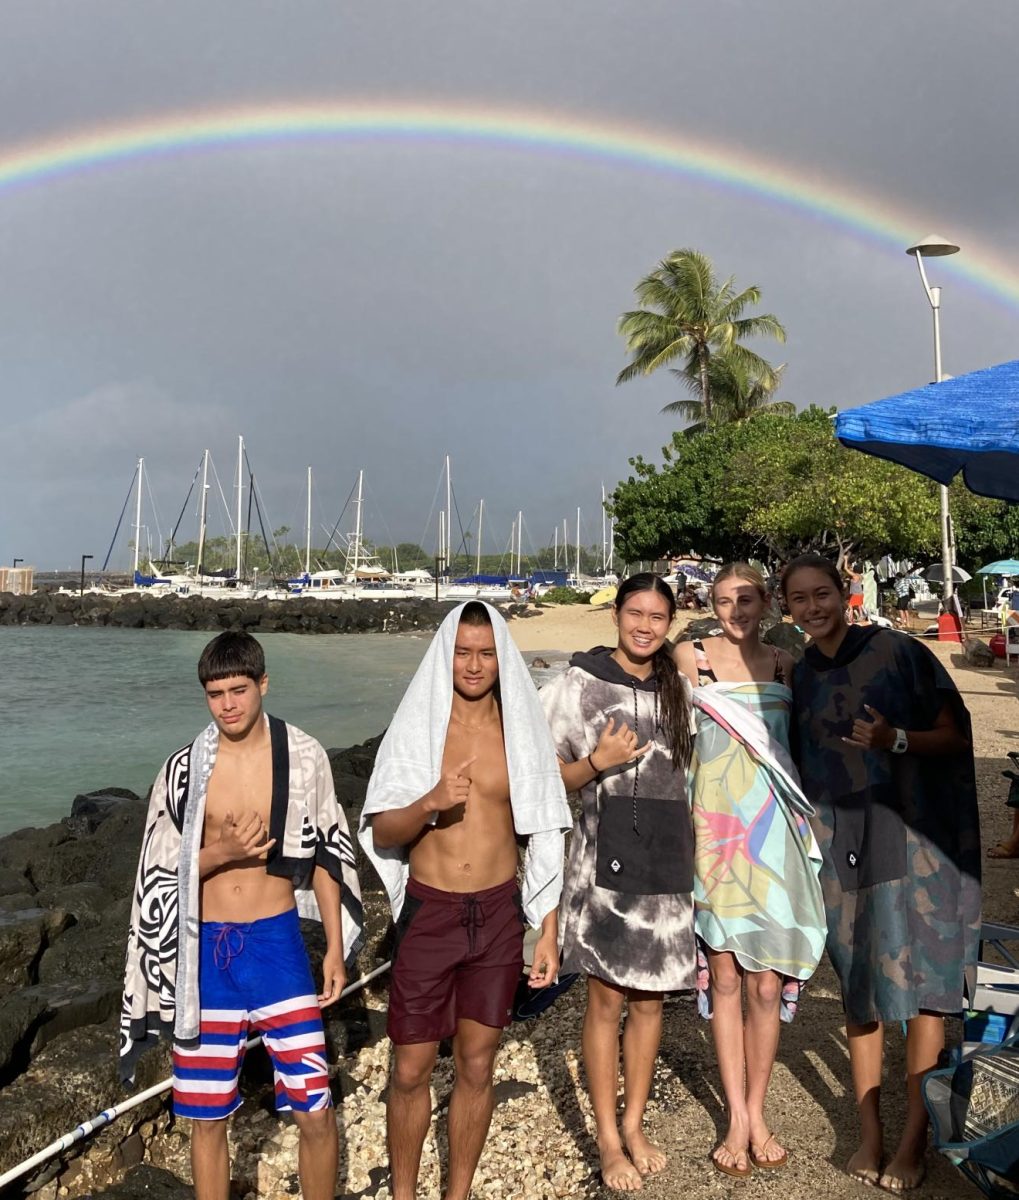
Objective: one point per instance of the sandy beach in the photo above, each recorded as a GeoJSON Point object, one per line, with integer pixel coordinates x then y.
{"type": "Point", "coordinates": [810, 1103]}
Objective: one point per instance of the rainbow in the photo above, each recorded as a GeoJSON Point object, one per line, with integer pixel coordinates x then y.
{"type": "Point", "coordinates": [793, 188]}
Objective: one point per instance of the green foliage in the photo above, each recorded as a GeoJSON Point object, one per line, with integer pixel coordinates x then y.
{"type": "Point", "coordinates": [773, 486]}
{"type": "Point", "coordinates": [985, 530]}
{"type": "Point", "coordinates": [565, 595]}
{"type": "Point", "coordinates": [687, 316]}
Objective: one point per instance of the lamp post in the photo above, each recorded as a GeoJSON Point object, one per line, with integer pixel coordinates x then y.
{"type": "Point", "coordinates": [84, 558]}
{"type": "Point", "coordinates": [933, 246]}
{"type": "Point", "coordinates": [14, 564]}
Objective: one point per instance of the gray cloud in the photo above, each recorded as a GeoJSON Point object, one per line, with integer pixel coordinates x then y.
{"type": "Point", "coordinates": [378, 303]}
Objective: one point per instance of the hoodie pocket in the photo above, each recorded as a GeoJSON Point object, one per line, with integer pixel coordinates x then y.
{"type": "Point", "coordinates": [653, 860]}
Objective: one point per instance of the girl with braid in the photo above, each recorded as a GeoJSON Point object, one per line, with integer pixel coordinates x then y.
{"type": "Point", "coordinates": [621, 724]}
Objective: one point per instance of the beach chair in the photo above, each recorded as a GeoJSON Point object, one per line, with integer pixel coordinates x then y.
{"type": "Point", "coordinates": [974, 1102]}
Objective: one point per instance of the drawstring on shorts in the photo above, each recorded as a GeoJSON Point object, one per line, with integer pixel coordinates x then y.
{"type": "Point", "coordinates": [472, 918]}
{"type": "Point", "coordinates": [228, 945]}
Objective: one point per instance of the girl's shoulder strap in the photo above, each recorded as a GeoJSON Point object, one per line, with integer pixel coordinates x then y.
{"type": "Point", "coordinates": [704, 672]}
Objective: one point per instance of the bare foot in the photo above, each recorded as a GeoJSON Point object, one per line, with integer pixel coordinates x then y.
{"type": "Point", "coordinates": [617, 1172]}
{"type": "Point", "coordinates": [903, 1174]}
{"type": "Point", "coordinates": [865, 1165]}
{"type": "Point", "coordinates": [648, 1158]}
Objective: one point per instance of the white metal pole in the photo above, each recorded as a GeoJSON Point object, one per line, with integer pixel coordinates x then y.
{"type": "Point", "coordinates": [604, 548]}
{"type": "Point", "coordinates": [555, 552]}
{"type": "Point", "coordinates": [449, 513]}
{"type": "Point", "coordinates": [612, 543]}
{"type": "Point", "coordinates": [477, 554]}
{"type": "Point", "coordinates": [203, 514]}
{"type": "Point", "coordinates": [138, 518]}
{"type": "Point", "coordinates": [307, 531]}
{"type": "Point", "coordinates": [240, 493]}
{"type": "Point", "coordinates": [934, 297]}
{"type": "Point", "coordinates": [520, 542]}
{"type": "Point", "coordinates": [358, 525]}
{"type": "Point", "coordinates": [578, 545]}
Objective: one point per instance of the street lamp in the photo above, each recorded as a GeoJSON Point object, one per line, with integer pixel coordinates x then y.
{"type": "Point", "coordinates": [84, 558]}
{"type": "Point", "coordinates": [933, 246]}
{"type": "Point", "coordinates": [14, 564]}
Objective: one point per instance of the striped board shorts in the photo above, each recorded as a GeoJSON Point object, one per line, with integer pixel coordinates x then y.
{"type": "Point", "coordinates": [253, 978]}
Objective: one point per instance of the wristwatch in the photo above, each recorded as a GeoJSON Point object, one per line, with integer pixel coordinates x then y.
{"type": "Point", "coordinates": [901, 743]}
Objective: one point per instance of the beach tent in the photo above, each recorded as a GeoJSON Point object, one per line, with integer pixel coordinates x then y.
{"type": "Point", "coordinates": [968, 424]}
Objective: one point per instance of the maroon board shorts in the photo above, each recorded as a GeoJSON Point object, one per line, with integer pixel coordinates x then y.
{"type": "Point", "coordinates": [456, 955]}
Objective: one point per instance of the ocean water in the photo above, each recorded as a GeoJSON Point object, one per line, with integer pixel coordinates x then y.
{"type": "Point", "coordinates": [82, 708]}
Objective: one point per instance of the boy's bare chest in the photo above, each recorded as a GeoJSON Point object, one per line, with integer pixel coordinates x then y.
{"type": "Point", "coordinates": [488, 773]}
{"type": "Point", "coordinates": [239, 785]}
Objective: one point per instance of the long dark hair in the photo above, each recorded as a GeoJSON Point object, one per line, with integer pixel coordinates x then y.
{"type": "Point", "coordinates": [671, 690]}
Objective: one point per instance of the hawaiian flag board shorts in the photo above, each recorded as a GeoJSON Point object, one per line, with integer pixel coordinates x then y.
{"type": "Point", "coordinates": [254, 978]}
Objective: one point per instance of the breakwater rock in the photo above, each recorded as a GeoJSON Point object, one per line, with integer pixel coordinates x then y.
{"type": "Point", "coordinates": [297, 615]}
{"type": "Point", "coordinates": [65, 897]}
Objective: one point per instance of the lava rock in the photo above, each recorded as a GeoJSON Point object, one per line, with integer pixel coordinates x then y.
{"type": "Point", "coordinates": [90, 809]}
{"type": "Point", "coordinates": [977, 653]}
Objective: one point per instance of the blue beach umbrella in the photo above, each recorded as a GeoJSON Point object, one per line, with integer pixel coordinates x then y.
{"type": "Point", "coordinates": [968, 424]}
{"type": "Point", "coordinates": [1004, 566]}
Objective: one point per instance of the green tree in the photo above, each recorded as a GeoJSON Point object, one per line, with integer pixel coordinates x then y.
{"type": "Point", "coordinates": [736, 393]}
{"type": "Point", "coordinates": [687, 315]}
{"type": "Point", "coordinates": [773, 487]}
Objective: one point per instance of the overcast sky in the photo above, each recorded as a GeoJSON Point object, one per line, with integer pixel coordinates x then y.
{"type": "Point", "coordinates": [378, 303]}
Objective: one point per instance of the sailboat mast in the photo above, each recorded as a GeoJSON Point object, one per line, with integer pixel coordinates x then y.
{"type": "Point", "coordinates": [442, 542]}
{"type": "Point", "coordinates": [477, 553]}
{"type": "Point", "coordinates": [240, 494]}
{"type": "Point", "coordinates": [307, 531]}
{"type": "Point", "coordinates": [612, 543]}
{"type": "Point", "coordinates": [357, 529]}
{"type": "Point", "coordinates": [604, 546]}
{"type": "Point", "coordinates": [578, 543]}
{"type": "Point", "coordinates": [520, 541]}
{"type": "Point", "coordinates": [449, 513]}
{"type": "Point", "coordinates": [555, 552]}
{"type": "Point", "coordinates": [203, 514]}
{"type": "Point", "coordinates": [138, 518]}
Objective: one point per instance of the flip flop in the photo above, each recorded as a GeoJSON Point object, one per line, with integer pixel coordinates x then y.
{"type": "Point", "coordinates": [767, 1164]}
{"type": "Point", "coordinates": [735, 1171]}
{"type": "Point", "coordinates": [1001, 851]}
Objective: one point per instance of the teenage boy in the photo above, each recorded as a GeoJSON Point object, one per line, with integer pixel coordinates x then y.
{"type": "Point", "coordinates": [243, 835]}
{"type": "Point", "coordinates": [466, 767]}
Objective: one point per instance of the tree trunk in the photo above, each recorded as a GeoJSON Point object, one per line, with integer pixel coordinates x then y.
{"type": "Point", "coordinates": [702, 363]}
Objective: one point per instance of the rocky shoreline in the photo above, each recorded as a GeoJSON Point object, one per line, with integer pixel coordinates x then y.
{"type": "Point", "coordinates": [297, 615]}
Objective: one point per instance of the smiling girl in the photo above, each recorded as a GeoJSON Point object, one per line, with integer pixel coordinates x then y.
{"type": "Point", "coordinates": [759, 915]}
{"type": "Point", "coordinates": [620, 721]}
{"type": "Point", "coordinates": [887, 762]}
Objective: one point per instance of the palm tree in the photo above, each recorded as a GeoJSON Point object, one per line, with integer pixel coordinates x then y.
{"type": "Point", "coordinates": [687, 314]}
{"type": "Point", "coordinates": [736, 393]}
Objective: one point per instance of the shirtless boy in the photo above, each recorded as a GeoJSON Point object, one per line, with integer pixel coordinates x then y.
{"type": "Point", "coordinates": [231, 819]}
{"type": "Point", "coordinates": [459, 931]}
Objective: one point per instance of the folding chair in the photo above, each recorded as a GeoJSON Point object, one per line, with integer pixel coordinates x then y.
{"type": "Point", "coordinates": [974, 1102]}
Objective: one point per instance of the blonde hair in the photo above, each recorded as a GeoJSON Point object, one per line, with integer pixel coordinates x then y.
{"type": "Point", "coordinates": [744, 571]}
